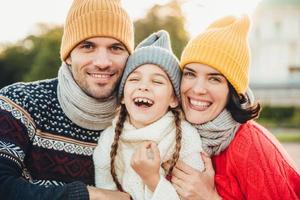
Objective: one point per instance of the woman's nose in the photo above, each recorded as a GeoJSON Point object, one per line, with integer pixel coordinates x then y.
{"type": "Point", "coordinates": [200, 87]}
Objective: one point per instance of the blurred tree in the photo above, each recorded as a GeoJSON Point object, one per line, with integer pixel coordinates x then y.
{"type": "Point", "coordinates": [15, 60]}
{"type": "Point", "coordinates": [47, 60]}
{"type": "Point", "coordinates": [33, 58]}
{"type": "Point", "coordinates": [37, 56]}
{"type": "Point", "coordinates": [169, 17]}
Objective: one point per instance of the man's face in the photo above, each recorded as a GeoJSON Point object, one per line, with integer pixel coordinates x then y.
{"type": "Point", "coordinates": [97, 65]}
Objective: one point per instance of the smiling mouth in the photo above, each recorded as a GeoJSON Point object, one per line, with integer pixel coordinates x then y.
{"type": "Point", "coordinates": [101, 76]}
{"type": "Point", "coordinates": [143, 102]}
{"type": "Point", "coordinates": [202, 105]}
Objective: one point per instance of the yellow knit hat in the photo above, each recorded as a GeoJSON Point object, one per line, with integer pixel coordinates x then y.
{"type": "Point", "coordinates": [92, 18]}
{"type": "Point", "coordinates": [223, 46]}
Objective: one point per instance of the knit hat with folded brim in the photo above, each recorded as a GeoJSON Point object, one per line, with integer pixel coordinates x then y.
{"type": "Point", "coordinates": [155, 49]}
{"type": "Point", "coordinates": [223, 46]}
{"type": "Point", "coordinates": [96, 18]}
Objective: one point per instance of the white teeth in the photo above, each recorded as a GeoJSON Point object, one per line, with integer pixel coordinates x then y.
{"type": "Point", "coordinates": [144, 100]}
{"type": "Point", "coordinates": [199, 103]}
{"type": "Point", "coordinates": [100, 75]}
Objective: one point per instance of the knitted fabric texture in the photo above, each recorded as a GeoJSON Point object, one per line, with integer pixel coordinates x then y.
{"type": "Point", "coordinates": [163, 133]}
{"type": "Point", "coordinates": [35, 132]}
{"type": "Point", "coordinates": [83, 110]}
{"type": "Point", "coordinates": [223, 46]}
{"type": "Point", "coordinates": [155, 49]}
{"type": "Point", "coordinates": [256, 166]}
{"type": "Point", "coordinates": [94, 18]}
{"type": "Point", "coordinates": [217, 134]}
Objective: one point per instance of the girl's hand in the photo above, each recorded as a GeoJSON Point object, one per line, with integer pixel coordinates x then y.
{"type": "Point", "coordinates": [191, 184]}
{"type": "Point", "coordinates": [146, 163]}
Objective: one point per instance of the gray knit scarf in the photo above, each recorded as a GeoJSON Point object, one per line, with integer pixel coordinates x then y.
{"type": "Point", "coordinates": [217, 134]}
{"type": "Point", "coordinates": [83, 110]}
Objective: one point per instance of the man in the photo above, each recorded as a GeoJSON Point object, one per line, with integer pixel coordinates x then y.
{"type": "Point", "coordinates": [49, 128]}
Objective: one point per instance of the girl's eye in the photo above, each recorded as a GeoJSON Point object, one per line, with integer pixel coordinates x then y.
{"type": "Point", "coordinates": [157, 82]}
{"type": "Point", "coordinates": [132, 79]}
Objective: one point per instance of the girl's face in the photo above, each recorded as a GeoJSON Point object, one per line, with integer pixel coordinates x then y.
{"type": "Point", "coordinates": [204, 93]}
{"type": "Point", "coordinates": [148, 93]}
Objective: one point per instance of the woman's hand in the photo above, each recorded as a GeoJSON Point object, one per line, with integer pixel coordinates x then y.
{"type": "Point", "coordinates": [191, 184]}
{"type": "Point", "coordinates": [146, 163]}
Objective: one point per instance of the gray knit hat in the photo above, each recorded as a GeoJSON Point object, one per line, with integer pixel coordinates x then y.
{"type": "Point", "coordinates": [155, 49]}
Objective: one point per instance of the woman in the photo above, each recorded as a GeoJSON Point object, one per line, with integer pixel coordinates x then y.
{"type": "Point", "coordinates": [249, 162]}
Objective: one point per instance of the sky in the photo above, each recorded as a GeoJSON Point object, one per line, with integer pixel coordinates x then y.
{"type": "Point", "coordinates": [19, 18]}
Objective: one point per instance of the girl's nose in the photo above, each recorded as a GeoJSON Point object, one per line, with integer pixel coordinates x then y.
{"type": "Point", "coordinates": [143, 86]}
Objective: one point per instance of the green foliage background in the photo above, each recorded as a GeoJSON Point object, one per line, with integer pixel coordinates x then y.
{"type": "Point", "coordinates": [37, 56]}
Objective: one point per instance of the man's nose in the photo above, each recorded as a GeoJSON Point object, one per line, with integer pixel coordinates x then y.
{"type": "Point", "coordinates": [102, 58]}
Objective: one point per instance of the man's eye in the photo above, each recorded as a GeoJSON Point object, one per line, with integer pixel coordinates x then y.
{"type": "Point", "coordinates": [86, 46]}
{"type": "Point", "coordinates": [117, 49]}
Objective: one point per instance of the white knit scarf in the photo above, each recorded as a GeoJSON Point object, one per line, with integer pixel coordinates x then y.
{"type": "Point", "coordinates": [162, 132]}
{"type": "Point", "coordinates": [217, 134]}
{"type": "Point", "coordinates": [83, 110]}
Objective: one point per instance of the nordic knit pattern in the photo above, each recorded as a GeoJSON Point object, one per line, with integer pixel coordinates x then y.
{"type": "Point", "coordinates": [162, 132]}
{"type": "Point", "coordinates": [40, 142]}
{"type": "Point", "coordinates": [255, 166]}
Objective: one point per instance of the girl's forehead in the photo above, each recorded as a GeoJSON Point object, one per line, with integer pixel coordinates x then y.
{"type": "Point", "coordinates": [150, 69]}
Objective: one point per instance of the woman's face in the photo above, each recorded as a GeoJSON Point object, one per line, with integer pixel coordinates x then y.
{"type": "Point", "coordinates": [204, 93]}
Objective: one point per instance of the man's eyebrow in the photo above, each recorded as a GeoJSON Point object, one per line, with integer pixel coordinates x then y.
{"type": "Point", "coordinates": [118, 44]}
{"type": "Point", "coordinates": [86, 42]}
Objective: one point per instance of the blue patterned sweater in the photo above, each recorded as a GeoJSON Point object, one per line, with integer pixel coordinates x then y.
{"type": "Point", "coordinates": [43, 154]}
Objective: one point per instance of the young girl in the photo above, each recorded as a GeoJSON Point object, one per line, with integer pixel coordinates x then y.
{"type": "Point", "coordinates": [148, 130]}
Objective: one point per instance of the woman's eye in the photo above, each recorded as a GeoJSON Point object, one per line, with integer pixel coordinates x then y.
{"type": "Point", "coordinates": [215, 79]}
{"type": "Point", "coordinates": [188, 74]}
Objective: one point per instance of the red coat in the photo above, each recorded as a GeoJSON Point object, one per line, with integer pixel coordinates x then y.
{"type": "Point", "coordinates": [255, 166]}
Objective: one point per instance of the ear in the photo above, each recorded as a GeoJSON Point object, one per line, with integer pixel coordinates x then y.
{"type": "Point", "coordinates": [174, 102]}
{"type": "Point", "coordinates": [69, 60]}
{"type": "Point", "coordinates": [122, 100]}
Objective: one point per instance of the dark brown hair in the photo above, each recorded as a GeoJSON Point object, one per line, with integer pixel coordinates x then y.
{"type": "Point", "coordinates": [118, 131]}
{"type": "Point", "coordinates": [239, 113]}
